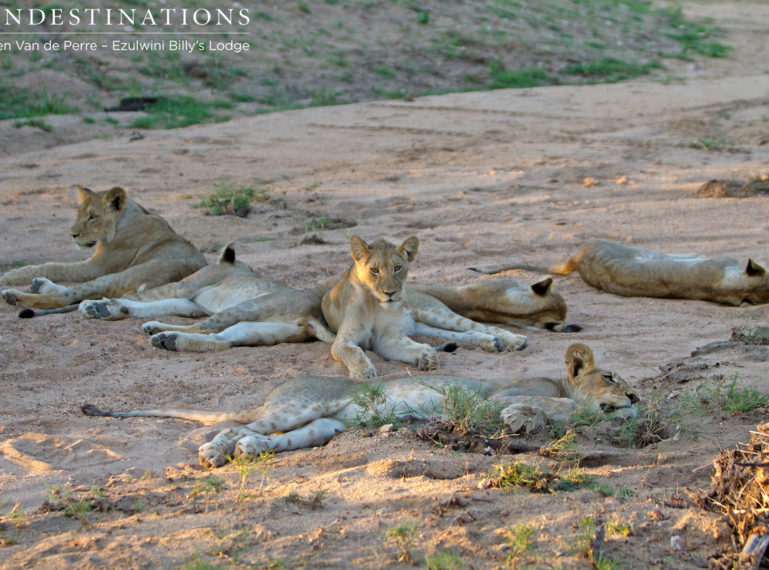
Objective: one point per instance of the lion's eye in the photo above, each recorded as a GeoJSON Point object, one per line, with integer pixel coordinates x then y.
{"type": "Point", "coordinates": [91, 218]}
{"type": "Point", "coordinates": [374, 271]}
{"type": "Point", "coordinates": [398, 268]}
{"type": "Point", "coordinates": [609, 378]}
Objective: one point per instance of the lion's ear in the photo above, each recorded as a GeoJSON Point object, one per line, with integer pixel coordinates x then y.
{"type": "Point", "coordinates": [579, 359]}
{"type": "Point", "coordinates": [358, 247]}
{"type": "Point", "coordinates": [82, 194]}
{"type": "Point", "coordinates": [115, 198]}
{"type": "Point", "coordinates": [227, 254]}
{"type": "Point", "coordinates": [409, 248]}
{"type": "Point", "coordinates": [542, 288]}
{"type": "Point", "coordinates": [754, 269]}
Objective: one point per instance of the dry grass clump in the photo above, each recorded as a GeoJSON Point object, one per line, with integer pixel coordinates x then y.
{"type": "Point", "coordinates": [739, 489]}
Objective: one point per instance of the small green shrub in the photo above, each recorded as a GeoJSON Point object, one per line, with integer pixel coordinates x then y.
{"type": "Point", "coordinates": [232, 201]}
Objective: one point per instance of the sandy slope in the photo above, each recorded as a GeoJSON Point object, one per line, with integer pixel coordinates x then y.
{"type": "Point", "coordinates": [480, 178]}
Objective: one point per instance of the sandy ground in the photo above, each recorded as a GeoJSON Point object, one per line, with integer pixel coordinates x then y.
{"type": "Point", "coordinates": [481, 179]}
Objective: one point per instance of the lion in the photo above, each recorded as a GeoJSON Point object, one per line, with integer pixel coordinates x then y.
{"type": "Point", "coordinates": [506, 302]}
{"type": "Point", "coordinates": [309, 411]}
{"type": "Point", "coordinates": [635, 272]}
{"type": "Point", "coordinates": [133, 249]}
{"type": "Point", "coordinates": [241, 309]}
{"type": "Point", "coordinates": [245, 310]}
{"type": "Point", "coordinates": [372, 307]}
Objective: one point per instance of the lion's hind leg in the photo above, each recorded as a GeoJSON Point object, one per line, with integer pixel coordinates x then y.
{"type": "Point", "coordinates": [241, 334]}
{"type": "Point", "coordinates": [292, 424]}
{"type": "Point", "coordinates": [116, 309]}
{"type": "Point", "coordinates": [487, 342]}
{"type": "Point", "coordinates": [431, 312]}
{"type": "Point", "coordinates": [315, 433]}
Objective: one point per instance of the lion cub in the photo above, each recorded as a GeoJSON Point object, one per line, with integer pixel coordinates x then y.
{"type": "Point", "coordinates": [635, 272]}
{"type": "Point", "coordinates": [309, 411]}
{"type": "Point", "coordinates": [365, 309]}
{"type": "Point", "coordinates": [371, 307]}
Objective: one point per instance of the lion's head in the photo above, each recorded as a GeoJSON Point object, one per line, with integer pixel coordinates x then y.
{"type": "Point", "coordinates": [97, 215]}
{"type": "Point", "coordinates": [383, 267]}
{"type": "Point", "coordinates": [598, 388]}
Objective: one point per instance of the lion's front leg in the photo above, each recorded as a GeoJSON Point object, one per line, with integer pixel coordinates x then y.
{"type": "Point", "coordinates": [353, 357]}
{"type": "Point", "coordinates": [75, 272]}
{"type": "Point", "coordinates": [402, 348]}
{"type": "Point", "coordinates": [530, 413]}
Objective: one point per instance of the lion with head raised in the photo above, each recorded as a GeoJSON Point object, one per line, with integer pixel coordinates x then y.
{"type": "Point", "coordinates": [132, 249]}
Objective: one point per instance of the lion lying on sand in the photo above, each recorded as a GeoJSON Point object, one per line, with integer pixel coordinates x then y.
{"type": "Point", "coordinates": [309, 411]}
{"type": "Point", "coordinates": [133, 249]}
{"type": "Point", "coordinates": [635, 272]}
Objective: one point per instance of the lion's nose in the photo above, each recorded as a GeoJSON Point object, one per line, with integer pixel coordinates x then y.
{"type": "Point", "coordinates": [633, 398]}
{"type": "Point", "coordinates": [75, 235]}
{"type": "Point", "coordinates": [390, 293]}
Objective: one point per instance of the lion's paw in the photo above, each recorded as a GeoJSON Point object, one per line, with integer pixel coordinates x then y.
{"type": "Point", "coordinates": [524, 419]}
{"type": "Point", "coordinates": [512, 341]}
{"type": "Point", "coordinates": [367, 371]}
{"type": "Point", "coordinates": [428, 359]}
{"type": "Point", "coordinates": [164, 340]}
{"type": "Point", "coordinates": [251, 446]}
{"type": "Point", "coordinates": [152, 328]}
{"type": "Point", "coordinates": [106, 309]}
{"type": "Point", "coordinates": [210, 457]}
{"type": "Point", "coordinates": [43, 286]}
{"type": "Point", "coordinates": [10, 296]}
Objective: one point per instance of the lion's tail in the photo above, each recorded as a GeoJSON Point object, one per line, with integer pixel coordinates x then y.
{"type": "Point", "coordinates": [563, 269]}
{"type": "Point", "coordinates": [206, 417]}
{"type": "Point", "coordinates": [31, 313]}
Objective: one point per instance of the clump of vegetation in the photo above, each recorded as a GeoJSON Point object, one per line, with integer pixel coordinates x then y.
{"type": "Point", "coordinates": [469, 411]}
{"type": "Point", "coordinates": [231, 201]}
{"type": "Point", "coordinates": [520, 540]}
{"type": "Point", "coordinates": [371, 399]}
{"type": "Point", "coordinates": [583, 416]}
{"type": "Point", "coordinates": [211, 484]}
{"type": "Point", "coordinates": [649, 427]}
{"type": "Point", "coordinates": [758, 334]}
{"type": "Point", "coordinates": [248, 465]}
{"type": "Point", "coordinates": [37, 123]}
{"type": "Point", "coordinates": [444, 560]}
{"type": "Point", "coordinates": [524, 476]}
{"type": "Point", "coordinates": [181, 111]}
{"type": "Point", "coordinates": [611, 70]}
{"type": "Point", "coordinates": [726, 396]}
{"type": "Point", "coordinates": [19, 103]}
{"type": "Point", "coordinates": [536, 480]}
{"type": "Point", "coordinates": [402, 536]}
{"type": "Point", "coordinates": [502, 78]}
{"type": "Point", "coordinates": [738, 491]}
{"type": "Point", "coordinates": [314, 501]}
{"type": "Point", "coordinates": [563, 449]}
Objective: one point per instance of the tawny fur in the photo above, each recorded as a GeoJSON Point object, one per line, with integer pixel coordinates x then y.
{"type": "Point", "coordinates": [635, 272]}
{"type": "Point", "coordinates": [371, 307]}
{"type": "Point", "coordinates": [309, 411]}
{"type": "Point", "coordinates": [243, 309]}
{"type": "Point", "coordinates": [133, 249]}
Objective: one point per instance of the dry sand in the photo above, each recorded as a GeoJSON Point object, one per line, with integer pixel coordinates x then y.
{"type": "Point", "coordinates": [481, 179]}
